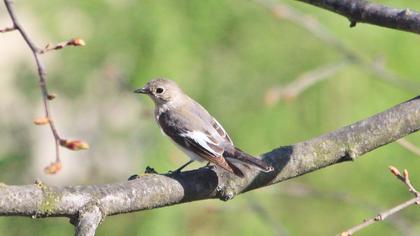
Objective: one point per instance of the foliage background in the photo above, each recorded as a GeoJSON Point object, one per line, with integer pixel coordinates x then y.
{"type": "Point", "coordinates": [227, 55]}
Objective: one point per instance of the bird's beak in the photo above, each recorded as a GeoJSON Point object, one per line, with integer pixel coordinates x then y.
{"type": "Point", "coordinates": [144, 90]}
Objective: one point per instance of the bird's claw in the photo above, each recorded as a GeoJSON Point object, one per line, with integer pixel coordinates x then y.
{"type": "Point", "coordinates": [174, 172]}
{"type": "Point", "coordinates": [208, 166]}
{"type": "Point", "coordinates": [133, 177]}
{"type": "Point", "coordinates": [150, 170]}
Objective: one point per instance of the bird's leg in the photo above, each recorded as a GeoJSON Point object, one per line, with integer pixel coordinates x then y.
{"type": "Point", "coordinates": [208, 166]}
{"type": "Point", "coordinates": [182, 167]}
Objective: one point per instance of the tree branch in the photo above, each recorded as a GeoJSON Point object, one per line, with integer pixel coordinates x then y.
{"type": "Point", "coordinates": [372, 13]}
{"type": "Point", "coordinates": [87, 206]}
{"type": "Point", "coordinates": [153, 190]}
{"type": "Point", "coordinates": [88, 220]}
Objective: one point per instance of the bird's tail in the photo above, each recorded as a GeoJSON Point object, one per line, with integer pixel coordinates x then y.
{"type": "Point", "coordinates": [238, 172]}
{"type": "Point", "coordinates": [239, 155]}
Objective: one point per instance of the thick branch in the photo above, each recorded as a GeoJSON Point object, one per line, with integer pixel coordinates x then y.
{"type": "Point", "coordinates": [153, 190]}
{"type": "Point", "coordinates": [372, 13]}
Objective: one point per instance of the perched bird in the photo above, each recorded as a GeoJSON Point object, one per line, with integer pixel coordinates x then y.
{"type": "Point", "coordinates": [194, 130]}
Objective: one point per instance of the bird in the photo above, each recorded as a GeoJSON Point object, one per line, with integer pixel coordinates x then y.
{"type": "Point", "coordinates": [193, 130]}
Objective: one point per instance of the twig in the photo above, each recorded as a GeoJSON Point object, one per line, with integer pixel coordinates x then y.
{"type": "Point", "coordinates": [382, 72]}
{"type": "Point", "coordinates": [409, 146]}
{"type": "Point", "coordinates": [305, 191]}
{"type": "Point", "coordinates": [383, 215]}
{"type": "Point", "coordinates": [72, 42]}
{"type": "Point", "coordinates": [405, 178]}
{"type": "Point", "coordinates": [36, 51]}
{"type": "Point", "coordinates": [304, 81]}
{"type": "Point", "coordinates": [283, 11]}
{"type": "Point", "coordinates": [7, 29]}
{"type": "Point", "coordinates": [265, 216]}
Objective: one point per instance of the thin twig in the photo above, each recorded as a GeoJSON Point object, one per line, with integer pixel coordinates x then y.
{"type": "Point", "coordinates": [7, 29]}
{"type": "Point", "coordinates": [409, 146]}
{"type": "Point", "coordinates": [303, 82]}
{"type": "Point", "coordinates": [41, 72]}
{"type": "Point", "coordinates": [276, 226]}
{"type": "Point", "coordinates": [36, 51]}
{"type": "Point", "coordinates": [72, 42]}
{"type": "Point", "coordinates": [383, 215]}
{"type": "Point", "coordinates": [283, 11]}
{"type": "Point", "coordinates": [305, 191]}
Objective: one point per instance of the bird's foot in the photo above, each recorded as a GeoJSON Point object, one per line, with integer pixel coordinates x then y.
{"type": "Point", "coordinates": [178, 171]}
{"type": "Point", "coordinates": [133, 177]}
{"type": "Point", "coordinates": [149, 170]}
{"type": "Point", "coordinates": [208, 166]}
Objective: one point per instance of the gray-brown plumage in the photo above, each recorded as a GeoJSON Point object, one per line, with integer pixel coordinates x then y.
{"type": "Point", "coordinates": [194, 130]}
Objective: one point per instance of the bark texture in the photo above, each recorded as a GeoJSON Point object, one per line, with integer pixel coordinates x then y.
{"type": "Point", "coordinates": [372, 13]}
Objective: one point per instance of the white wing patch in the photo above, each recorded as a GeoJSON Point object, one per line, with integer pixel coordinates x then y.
{"type": "Point", "coordinates": [223, 130]}
{"type": "Point", "coordinates": [202, 139]}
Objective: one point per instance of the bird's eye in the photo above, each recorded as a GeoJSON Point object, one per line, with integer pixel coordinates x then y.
{"type": "Point", "coordinates": [159, 90]}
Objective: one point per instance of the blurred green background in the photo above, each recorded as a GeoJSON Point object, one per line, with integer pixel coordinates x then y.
{"type": "Point", "coordinates": [236, 58]}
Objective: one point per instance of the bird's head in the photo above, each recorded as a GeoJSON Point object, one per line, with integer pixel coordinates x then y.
{"type": "Point", "coordinates": [161, 91]}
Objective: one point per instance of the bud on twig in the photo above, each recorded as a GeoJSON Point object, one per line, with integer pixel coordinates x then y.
{"type": "Point", "coordinates": [74, 145]}
{"type": "Point", "coordinates": [72, 42]}
{"type": "Point", "coordinates": [51, 96]}
{"type": "Point", "coordinates": [7, 29]}
{"type": "Point", "coordinates": [76, 42]}
{"type": "Point", "coordinates": [42, 121]}
{"type": "Point", "coordinates": [405, 174]}
{"type": "Point", "coordinates": [394, 171]}
{"type": "Point", "coordinates": [53, 168]}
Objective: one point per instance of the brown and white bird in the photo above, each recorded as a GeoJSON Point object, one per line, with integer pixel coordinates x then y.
{"type": "Point", "coordinates": [194, 130]}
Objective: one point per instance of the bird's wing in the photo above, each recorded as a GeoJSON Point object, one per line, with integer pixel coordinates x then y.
{"type": "Point", "coordinates": [202, 143]}
{"type": "Point", "coordinates": [218, 127]}
{"type": "Point", "coordinates": [201, 113]}
{"type": "Point", "coordinates": [191, 133]}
